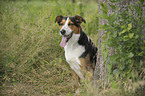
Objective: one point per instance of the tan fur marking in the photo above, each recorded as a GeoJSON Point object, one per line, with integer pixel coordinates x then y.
{"type": "Point", "coordinates": [86, 66]}
{"type": "Point", "coordinates": [63, 21]}
{"type": "Point", "coordinates": [75, 29]}
{"type": "Point", "coordinates": [83, 64]}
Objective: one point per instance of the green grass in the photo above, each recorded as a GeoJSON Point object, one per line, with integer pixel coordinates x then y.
{"type": "Point", "coordinates": [31, 60]}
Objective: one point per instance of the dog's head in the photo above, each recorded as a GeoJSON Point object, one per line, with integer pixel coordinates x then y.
{"type": "Point", "coordinates": [68, 27]}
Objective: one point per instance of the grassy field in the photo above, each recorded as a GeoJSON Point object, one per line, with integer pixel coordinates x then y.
{"type": "Point", "coordinates": [31, 61]}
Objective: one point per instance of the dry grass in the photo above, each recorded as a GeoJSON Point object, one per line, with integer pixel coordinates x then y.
{"type": "Point", "coordinates": [32, 62]}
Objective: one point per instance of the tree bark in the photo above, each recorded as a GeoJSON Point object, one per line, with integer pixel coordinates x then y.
{"type": "Point", "coordinates": [100, 68]}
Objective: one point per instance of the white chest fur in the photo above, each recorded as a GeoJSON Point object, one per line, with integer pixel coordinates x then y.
{"type": "Point", "coordinates": [72, 52]}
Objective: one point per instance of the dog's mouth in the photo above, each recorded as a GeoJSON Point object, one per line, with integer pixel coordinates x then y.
{"type": "Point", "coordinates": [65, 39]}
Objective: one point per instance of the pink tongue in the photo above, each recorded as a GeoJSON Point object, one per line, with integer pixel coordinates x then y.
{"type": "Point", "coordinates": [63, 41]}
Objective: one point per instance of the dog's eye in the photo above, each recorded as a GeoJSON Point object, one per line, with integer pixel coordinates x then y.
{"type": "Point", "coordinates": [69, 24]}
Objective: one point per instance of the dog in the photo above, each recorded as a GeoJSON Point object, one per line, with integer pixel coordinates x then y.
{"type": "Point", "coordinates": [80, 52]}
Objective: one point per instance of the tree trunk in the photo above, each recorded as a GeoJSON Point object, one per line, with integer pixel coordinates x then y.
{"type": "Point", "coordinates": [100, 69]}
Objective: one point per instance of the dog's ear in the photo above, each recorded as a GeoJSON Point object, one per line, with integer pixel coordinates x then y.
{"type": "Point", "coordinates": [79, 20]}
{"type": "Point", "coordinates": [58, 19]}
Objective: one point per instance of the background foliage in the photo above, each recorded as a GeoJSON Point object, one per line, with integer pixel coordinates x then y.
{"type": "Point", "coordinates": [125, 34]}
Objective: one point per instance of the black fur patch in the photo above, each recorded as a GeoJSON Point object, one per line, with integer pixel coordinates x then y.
{"type": "Point", "coordinates": [89, 47]}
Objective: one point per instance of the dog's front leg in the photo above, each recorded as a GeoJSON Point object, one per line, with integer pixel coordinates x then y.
{"type": "Point", "coordinates": [86, 67]}
{"type": "Point", "coordinates": [83, 65]}
{"type": "Point", "coordinates": [76, 79]}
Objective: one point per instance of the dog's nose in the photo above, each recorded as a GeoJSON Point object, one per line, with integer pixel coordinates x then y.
{"type": "Point", "coordinates": [62, 31]}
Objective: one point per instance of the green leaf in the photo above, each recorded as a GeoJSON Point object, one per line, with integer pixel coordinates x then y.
{"type": "Point", "coordinates": [114, 1]}
{"type": "Point", "coordinates": [126, 28]}
{"type": "Point", "coordinates": [103, 46]}
{"type": "Point", "coordinates": [130, 54]}
{"type": "Point", "coordinates": [131, 35]}
{"type": "Point", "coordinates": [109, 67]}
{"type": "Point", "coordinates": [103, 16]}
{"type": "Point", "coordinates": [121, 67]}
{"type": "Point", "coordinates": [123, 31]}
{"type": "Point", "coordinates": [104, 37]}
{"type": "Point", "coordinates": [116, 71]}
{"type": "Point", "coordinates": [138, 2]}
{"type": "Point", "coordinates": [104, 7]}
{"type": "Point", "coordinates": [112, 18]}
{"type": "Point", "coordinates": [112, 6]}
{"type": "Point", "coordinates": [113, 57]}
{"type": "Point", "coordinates": [129, 26]}
{"type": "Point", "coordinates": [135, 7]}
{"type": "Point", "coordinates": [110, 76]}
{"type": "Point", "coordinates": [114, 35]}
{"type": "Point", "coordinates": [105, 53]}
{"type": "Point", "coordinates": [123, 26]}
{"type": "Point", "coordinates": [125, 38]}
{"type": "Point", "coordinates": [104, 27]}
{"type": "Point", "coordinates": [136, 36]}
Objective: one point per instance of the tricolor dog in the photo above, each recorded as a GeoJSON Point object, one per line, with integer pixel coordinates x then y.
{"type": "Point", "coordinates": [80, 53]}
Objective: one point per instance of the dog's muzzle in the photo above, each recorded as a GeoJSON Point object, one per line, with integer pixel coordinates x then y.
{"type": "Point", "coordinates": [65, 38]}
{"type": "Point", "coordinates": [62, 32]}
